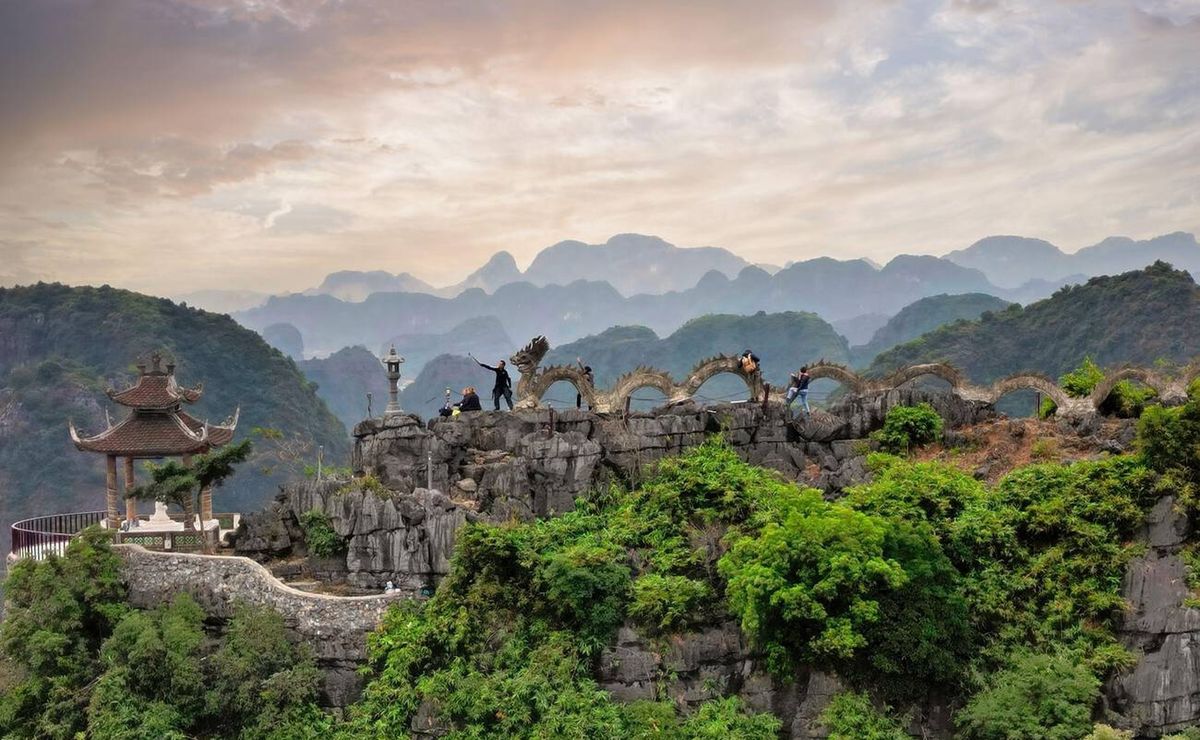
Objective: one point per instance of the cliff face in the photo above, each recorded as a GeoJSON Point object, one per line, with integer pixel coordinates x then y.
{"type": "Point", "coordinates": [536, 463]}
{"type": "Point", "coordinates": [1161, 694]}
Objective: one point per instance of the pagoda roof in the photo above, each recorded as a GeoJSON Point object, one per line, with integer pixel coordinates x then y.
{"type": "Point", "coordinates": [157, 434]}
{"type": "Point", "coordinates": [156, 388]}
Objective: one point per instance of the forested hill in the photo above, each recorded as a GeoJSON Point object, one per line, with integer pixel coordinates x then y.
{"type": "Point", "coordinates": [783, 341]}
{"type": "Point", "coordinates": [1137, 317]}
{"type": "Point", "coordinates": [60, 347]}
{"type": "Point", "coordinates": [924, 316]}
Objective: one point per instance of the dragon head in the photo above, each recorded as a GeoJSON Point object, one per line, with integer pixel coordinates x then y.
{"type": "Point", "coordinates": [530, 356]}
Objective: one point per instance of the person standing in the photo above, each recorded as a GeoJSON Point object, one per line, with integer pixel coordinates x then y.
{"type": "Point", "coordinates": [589, 377]}
{"type": "Point", "coordinates": [799, 387]}
{"type": "Point", "coordinates": [503, 386]}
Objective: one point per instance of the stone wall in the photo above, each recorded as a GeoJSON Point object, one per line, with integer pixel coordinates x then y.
{"type": "Point", "coordinates": [335, 627]}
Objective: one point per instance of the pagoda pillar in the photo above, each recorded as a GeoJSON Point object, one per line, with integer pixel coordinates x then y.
{"type": "Point", "coordinates": [205, 506]}
{"type": "Point", "coordinates": [130, 501]}
{"type": "Point", "coordinates": [114, 521]}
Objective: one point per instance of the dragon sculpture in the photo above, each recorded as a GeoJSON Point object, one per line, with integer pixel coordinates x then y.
{"type": "Point", "coordinates": [536, 381]}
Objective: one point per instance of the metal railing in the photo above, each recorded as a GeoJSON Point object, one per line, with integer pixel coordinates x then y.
{"type": "Point", "coordinates": [41, 536]}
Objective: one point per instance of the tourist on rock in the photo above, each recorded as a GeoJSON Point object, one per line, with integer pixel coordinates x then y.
{"type": "Point", "coordinates": [589, 377]}
{"type": "Point", "coordinates": [799, 387]}
{"type": "Point", "coordinates": [470, 400]}
{"type": "Point", "coordinates": [503, 387]}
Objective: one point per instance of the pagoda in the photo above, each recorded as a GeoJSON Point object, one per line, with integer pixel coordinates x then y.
{"type": "Point", "coordinates": [156, 427]}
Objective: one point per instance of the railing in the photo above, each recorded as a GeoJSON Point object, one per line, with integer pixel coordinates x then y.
{"type": "Point", "coordinates": [42, 536]}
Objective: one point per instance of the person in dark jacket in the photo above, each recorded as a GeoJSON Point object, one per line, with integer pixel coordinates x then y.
{"type": "Point", "coordinates": [799, 387]}
{"type": "Point", "coordinates": [470, 400]}
{"type": "Point", "coordinates": [503, 386]}
{"type": "Point", "coordinates": [589, 377]}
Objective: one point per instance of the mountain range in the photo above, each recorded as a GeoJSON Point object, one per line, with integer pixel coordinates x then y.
{"type": "Point", "coordinates": [924, 316]}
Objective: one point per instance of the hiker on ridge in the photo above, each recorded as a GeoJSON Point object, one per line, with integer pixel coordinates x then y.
{"type": "Point", "coordinates": [503, 387]}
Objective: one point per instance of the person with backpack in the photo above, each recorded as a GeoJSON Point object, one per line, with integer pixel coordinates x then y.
{"type": "Point", "coordinates": [503, 386]}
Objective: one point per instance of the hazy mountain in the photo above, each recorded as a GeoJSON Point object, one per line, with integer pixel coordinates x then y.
{"type": "Point", "coordinates": [483, 336]}
{"type": "Point", "coordinates": [631, 263]}
{"type": "Point", "coordinates": [501, 269]}
{"type": "Point", "coordinates": [1136, 317]}
{"type": "Point", "coordinates": [354, 285]}
{"type": "Point", "coordinates": [924, 316]}
{"type": "Point", "coordinates": [285, 338]}
{"type": "Point", "coordinates": [343, 381]}
{"type": "Point", "coordinates": [783, 341]}
{"type": "Point", "coordinates": [860, 329]}
{"type": "Point", "coordinates": [223, 301]}
{"type": "Point", "coordinates": [830, 288]}
{"type": "Point", "coordinates": [1010, 261]}
{"type": "Point", "coordinates": [61, 347]}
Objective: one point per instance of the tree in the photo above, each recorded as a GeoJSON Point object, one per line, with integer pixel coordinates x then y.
{"type": "Point", "coordinates": [174, 482]}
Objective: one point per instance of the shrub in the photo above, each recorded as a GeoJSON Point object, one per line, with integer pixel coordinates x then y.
{"type": "Point", "coordinates": [322, 539]}
{"type": "Point", "coordinates": [1104, 732]}
{"type": "Point", "coordinates": [807, 585]}
{"type": "Point", "coordinates": [1039, 697]}
{"type": "Point", "coordinates": [851, 716]}
{"type": "Point", "coordinates": [1044, 449]}
{"type": "Point", "coordinates": [59, 611]}
{"type": "Point", "coordinates": [907, 427]}
{"type": "Point", "coordinates": [664, 603]}
{"type": "Point", "coordinates": [1081, 381]}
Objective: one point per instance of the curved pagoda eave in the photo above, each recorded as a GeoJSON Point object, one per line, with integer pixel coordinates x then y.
{"type": "Point", "coordinates": [156, 434]}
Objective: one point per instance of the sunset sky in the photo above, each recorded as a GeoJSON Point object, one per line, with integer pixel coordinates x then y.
{"type": "Point", "coordinates": [175, 145]}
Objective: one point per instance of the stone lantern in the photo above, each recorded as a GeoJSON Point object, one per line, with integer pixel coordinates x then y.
{"type": "Point", "coordinates": [393, 361]}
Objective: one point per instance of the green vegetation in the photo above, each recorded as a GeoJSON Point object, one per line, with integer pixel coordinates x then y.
{"type": "Point", "coordinates": [850, 716]}
{"type": "Point", "coordinates": [85, 663]}
{"type": "Point", "coordinates": [320, 536]}
{"type": "Point", "coordinates": [76, 341]}
{"type": "Point", "coordinates": [1126, 400]}
{"type": "Point", "coordinates": [1137, 317]}
{"type": "Point", "coordinates": [1049, 697]}
{"type": "Point", "coordinates": [907, 427]}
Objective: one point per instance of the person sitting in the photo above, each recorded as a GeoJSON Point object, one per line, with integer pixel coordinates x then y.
{"type": "Point", "coordinates": [470, 400]}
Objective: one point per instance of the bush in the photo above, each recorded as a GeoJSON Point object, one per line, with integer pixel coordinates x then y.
{"type": "Point", "coordinates": [850, 716]}
{"type": "Point", "coordinates": [1104, 732]}
{"type": "Point", "coordinates": [59, 611]}
{"type": "Point", "coordinates": [1039, 697]}
{"type": "Point", "coordinates": [665, 603]}
{"type": "Point", "coordinates": [907, 427]}
{"type": "Point", "coordinates": [322, 539]}
{"type": "Point", "coordinates": [807, 585]}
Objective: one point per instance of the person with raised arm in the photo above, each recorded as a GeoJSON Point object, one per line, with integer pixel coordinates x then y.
{"type": "Point", "coordinates": [503, 386]}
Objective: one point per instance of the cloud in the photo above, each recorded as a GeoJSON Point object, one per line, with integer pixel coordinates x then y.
{"type": "Point", "coordinates": [274, 141]}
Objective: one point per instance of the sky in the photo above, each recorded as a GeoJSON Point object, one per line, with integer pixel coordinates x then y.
{"type": "Point", "coordinates": [177, 145]}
